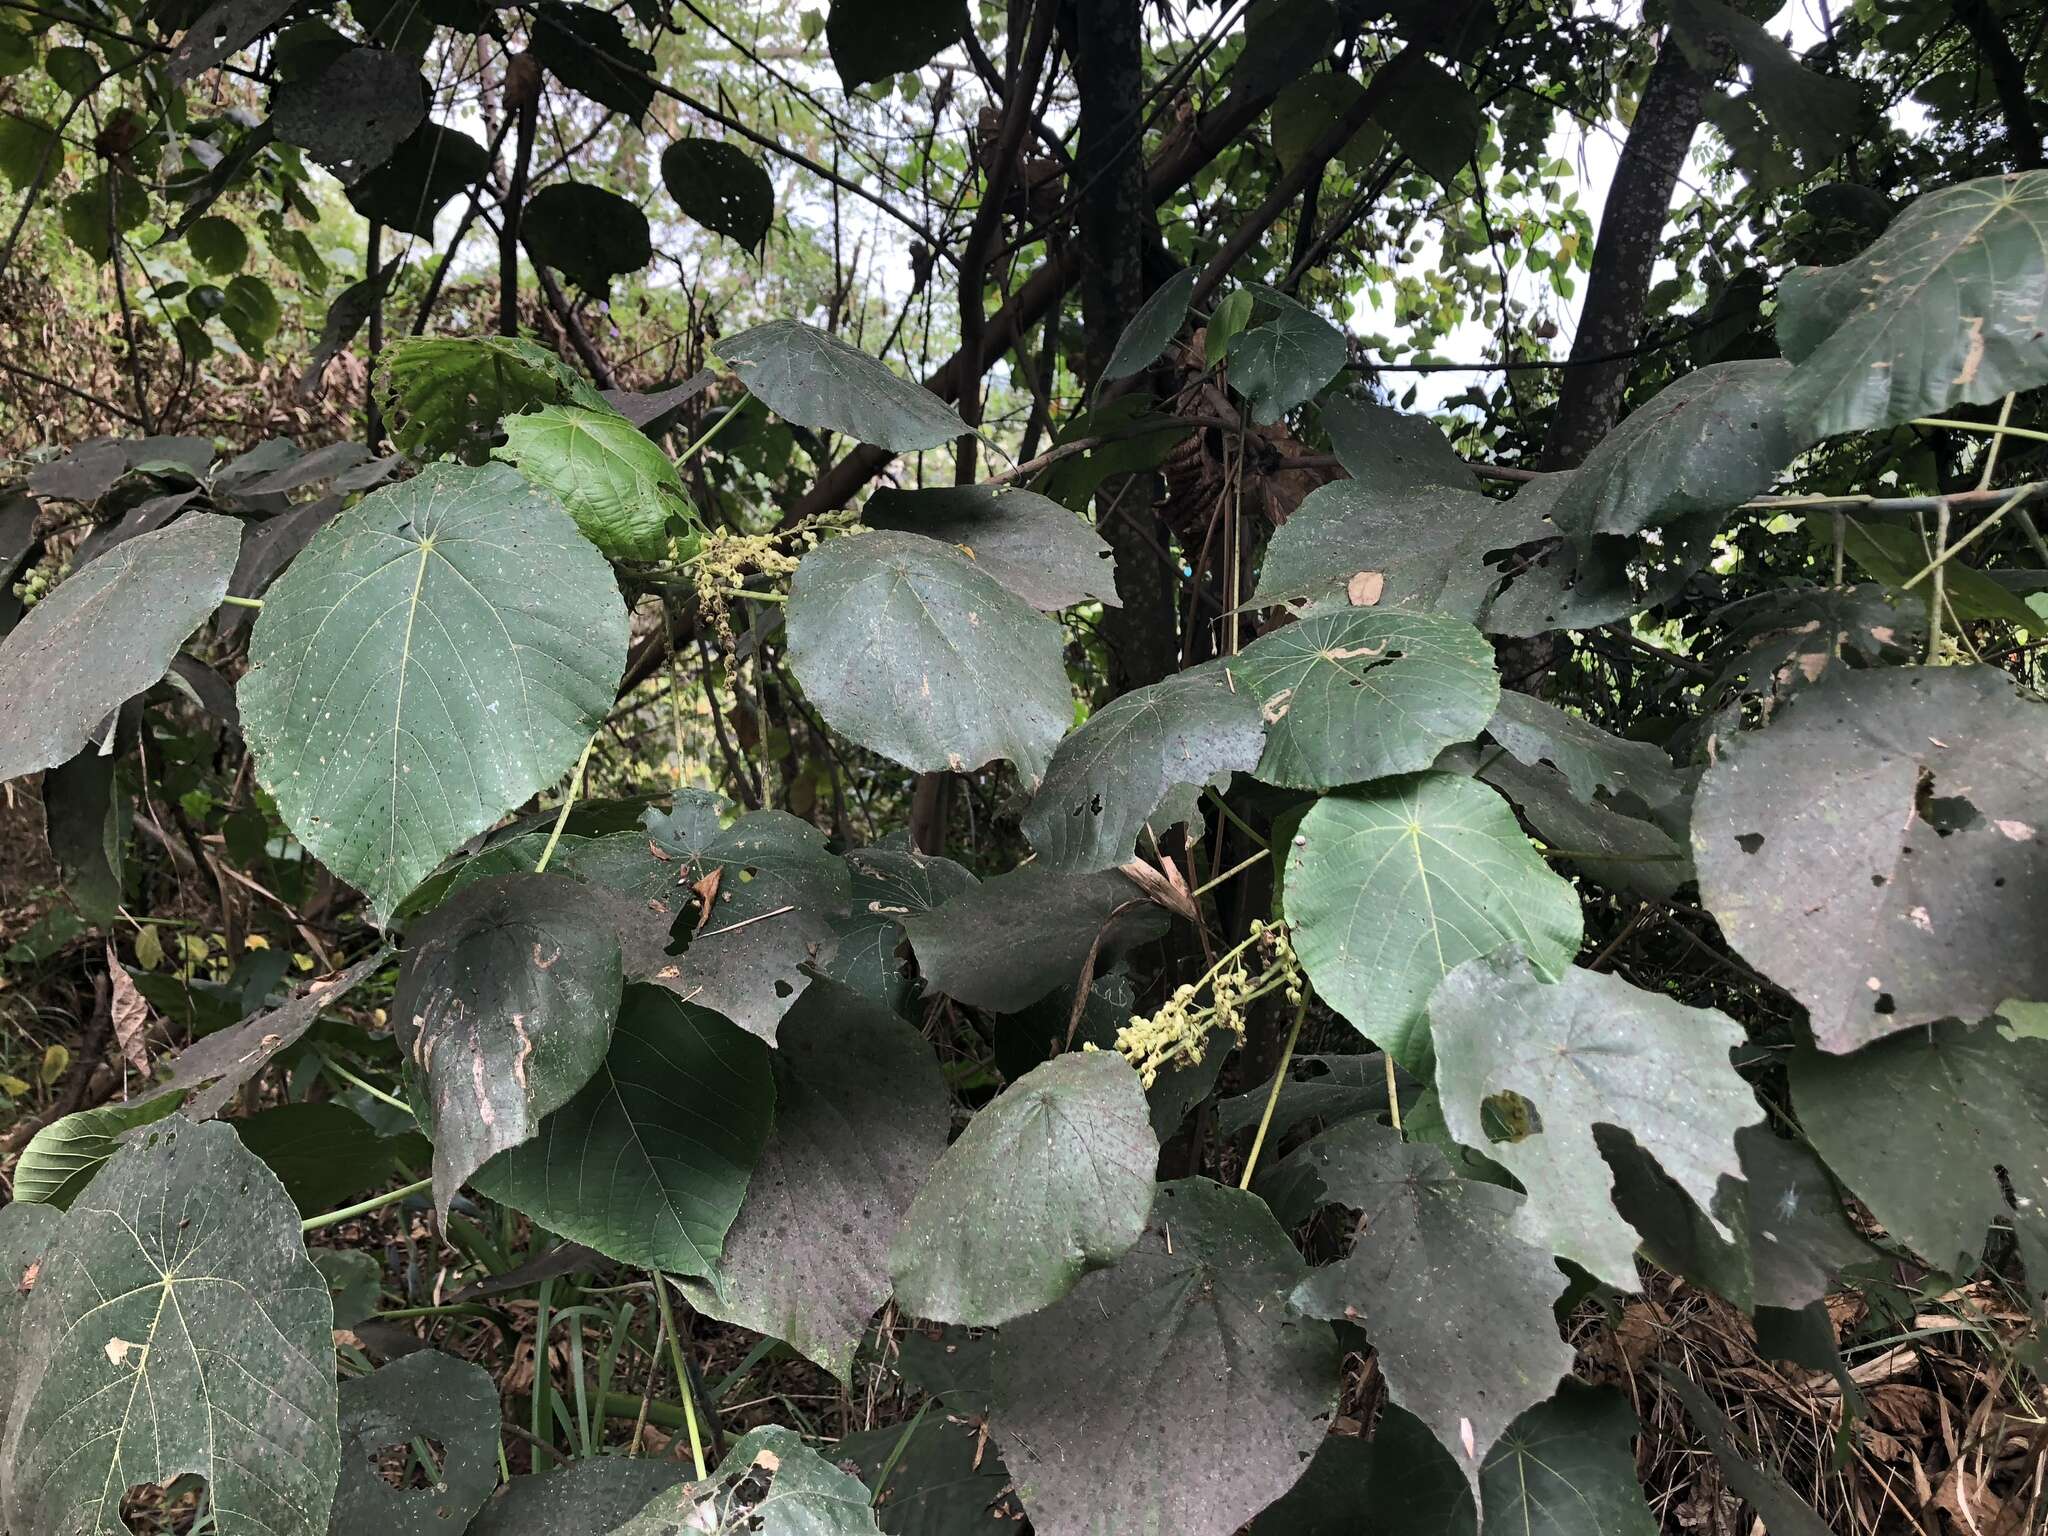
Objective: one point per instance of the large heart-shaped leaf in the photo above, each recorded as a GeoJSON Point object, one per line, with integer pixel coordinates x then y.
{"type": "Point", "coordinates": [504, 1011]}
{"type": "Point", "coordinates": [1436, 1261]}
{"type": "Point", "coordinates": [586, 48]}
{"type": "Point", "coordinates": [27, 1233]}
{"type": "Point", "coordinates": [1199, 1304]}
{"type": "Point", "coordinates": [936, 1476]}
{"type": "Point", "coordinates": [1112, 776]}
{"type": "Point", "coordinates": [621, 489]}
{"type": "Point", "coordinates": [1388, 451]}
{"type": "Point", "coordinates": [814, 379]}
{"type": "Point", "coordinates": [871, 40]}
{"type": "Point", "coordinates": [409, 189]}
{"type": "Point", "coordinates": [1583, 1051]}
{"type": "Point", "coordinates": [1027, 542]}
{"type": "Point", "coordinates": [648, 1163]}
{"type": "Point", "coordinates": [593, 1493]}
{"type": "Point", "coordinates": [1391, 885]}
{"type": "Point", "coordinates": [910, 649]}
{"type": "Point", "coordinates": [1623, 853]}
{"type": "Point", "coordinates": [1881, 847]}
{"type": "Point", "coordinates": [411, 681]}
{"type": "Point", "coordinates": [770, 1484]}
{"type": "Point", "coordinates": [105, 635]}
{"type": "Point", "coordinates": [588, 234]}
{"type": "Point", "coordinates": [1930, 1130]}
{"type": "Point", "coordinates": [1289, 354]}
{"type": "Point", "coordinates": [1944, 307]}
{"type": "Point", "coordinates": [861, 1114]}
{"type": "Point", "coordinates": [355, 112]}
{"type": "Point", "coordinates": [1051, 1180]}
{"type": "Point", "coordinates": [423, 1396]}
{"type": "Point", "coordinates": [176, 1326]}
{"type": "Point", "coordinates": [722, 187]}
{"type": "Point", "coordinates": [1357, 695]}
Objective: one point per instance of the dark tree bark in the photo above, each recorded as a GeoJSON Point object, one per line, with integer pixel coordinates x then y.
{"type": "Point", "coordinates": [522, 100]}
{"type": "Point", "coordinates": [2009, 79]}
{"type": "Point", "coordinates": [1618, 287]}
{"type": "Point", "coordinates": [1116, 222]}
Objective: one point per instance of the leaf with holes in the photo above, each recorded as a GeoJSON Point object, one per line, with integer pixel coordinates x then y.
{"type": "Point", "coordinates": [815, 380]}
{"type": "Point", "coordinates": [770, 1484]}
{"type": "Point", "coordinates": [1391, 885]}
{"type": "Point", "coordinates": [1027, 542]}
{"type": "Point", "coordinates": [452, 392]}
{"type": "Point", "coordinates": [176, 1326]}
{"type": "Point", "coordinates": [622, 490]}
{"type": "Point", "coordinates": [1111, 778]}
{"type": "Point", "coordinates": [911, 650]}
{"type": "Point", "coordinates": [355, 113]}
{"type": "Point", "coordinates": [1198, 1306]}
{"type": "Point", "coordinates": [1583, 1051]}
{"type": "Point", "coordinates": [107, 634]}
{"type": "Point", "coordinates": [721, 187]}
{"type": "Point", "coordinates": [1878, 848]}
{"type": "Point", "coordinates": [1364, 694]}
{"type": "Point", "coordinates": [648, 1163]}
{"type": "Point", "coordinates": [1049, 1181]}
{"type": "Point", "coordinates": [425, 1396]}
{"type": "Point", "coordinates": [503, 1012]}
{"type": "Point", "coordinates": [410, 681]}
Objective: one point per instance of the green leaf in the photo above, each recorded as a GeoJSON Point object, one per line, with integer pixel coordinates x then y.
{"type": "Point", "coordinates": [1126, 762]}
{"type": "Point", "coordinates": [425, 1396]}
{"type": "Point", "coordinates": [1586, 1050]}
{"type": "Point", "coordinates": [889, 884]}
{"type": "Point", "coordinates": [871, 40]}
{"type": "Point", "coordinates": [348, 314]}
{"type": "Point", "coordinates": [453, 392]}
{"type": "Point", "coordinates": [1782, 1510]}
{"type": "Point", "coordinates": [105, 635]}
{"type": "Point", "coordinates": [1622, 853]}
{"type": "Point", "coordinates": [621, 489]}
{"type": "Point", "coordinates": [251, 313]}
{"type": "Point", "coordinates": [1590, 759]}
{"type": "Point", "coordinates": [355, 1280]}
{"type": "Point", "coordinates": [1285, 358]}
{"type": "Point", "coordinates": [1437, 1262]}
{"type": "Point", "coordinates": [593, 1493]}
{"type": "Point", "coordinates": [1026, 542]}
{"type": "Point", "coordinates": [221, 30]}
{"type": "Point", "coordinates": [1814, 111]}
{"type": "Point", "coordinates": [1929, 1129]}
{"type": "Point", "coordinates": [1153, 327]}
{"type": "Point", "coordinates": [408, 190]}
{"type": "Point", "coordinates": [85, 819]}
{"type": "Point", "coordinates": [1318, 1087]}
{"type": "Point", "coordinates": [1227, 321]}
{"type": "Point", "coordinates": [649, 1162]}
{"type": "Point", "coordinates": [944, 1479]}
{"type": "Point", "coordinates": [1304, 112]}
{"type": "Point", "coordinates": [587, 233]}
{"type": "Point", "coordinates": [325, 1154]}
{"type": "Point", "coordinates": [1878, 847]}
{"type": "Point", "coordinates": [411, 681]}
{"type": "Point", "coordinates": [1940, 310]}
{"type": "Point", "coordinates": [816, 380]}
{"type": "Point", "coordinates": [1702, 445]}
{"type": "Point", "coordinates": [586, 48]}
{"type": "Point", "coordinates": [354, 114]}
{"type": "Point", "coordinates": [218, 245]}
{"type": "Point", "coordinates": [861, 1114]}
{"type": "Point", "coordinates": [1049, 1181]}
{"type": "Point", "coordinates": [770, 1484]}
{"type": "Point", "coordinates": [27, 1233]}
{"type": "Point", "coordinates": [1386, 450]}
{"type": "Point", "coordinates": [177, 1326]}
{"type": "Point", "coordinates": [503, 1012]}
{"type": "Point", "coordinates": [1434, 118]}
{"type": "Point", "coordinates": [1364, 693]}
{"type": "Point", "coordinates": [1329, 1496]}
{"type": "Point", "coordinates": [29, 148]}
{"type": "Point", "coordinates": [722, 187]}
{"type": "Point", "coordinates": [1005, 943]}
{"type": "Point", "coordinates": [911, 650]}
{"type": "Point", "coordinates": [61, 1158]}
{"type": "Point", "coordinates": [1198, 1313]}
{"type": "Point", "coordinates": [1392, 885]}
{"type": "Point", "coordinates": [1895, 552]}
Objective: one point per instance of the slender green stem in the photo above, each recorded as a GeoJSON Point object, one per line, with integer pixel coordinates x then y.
{"type": "Point", "coordinates": [1991, 458]}
{"type": "Point", "coordinates": [1251, 1162]}
{"type": "Point", "coordinates": [364, 1207]}
{"type": "Point", "coordinates": [758, 597]}
{"type": "Point", "coordinates": [543, 1369]}
{"type": "Point", "coordinates": [704, 442]}
{"type": "Point", "coordinates": [242, 602]}
{"type": "Point", "coordinates": [675, 1349]}
{"type": "Point", "coordinates": [336, 1069]}
{"type": "Point", "coordinates": [1236, 869]}
{"type": "Point", "coordinates": [1232, 817]}
{"type": "Point", "coordinates": [446, 1309]}
{"type": "Point", "coordinates": [1953, 425]}
{"type": "Point", "coordinates": [1943, 556]}
{"type": "Point", "coordinates": [568, 801]}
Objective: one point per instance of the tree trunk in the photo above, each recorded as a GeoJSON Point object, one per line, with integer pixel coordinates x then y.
{"type": "Point", "coordinates": [2009, 78]}
{"type": "Point", "coordinates": [1116, 221]}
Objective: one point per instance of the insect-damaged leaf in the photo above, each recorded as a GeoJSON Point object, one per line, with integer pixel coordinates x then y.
{"type": "Point", "coordinates": [1359, 695]}
{"type": "Point", "coordinates": [1114, 774]}
{"type": "Point", "coordinates": [1929, 1129]}
{"type": "Point", "coordinates": [1393, 884]}
{"type": "Point", "coordinates": [861, 1114]}
{"type": "Point", "coordinates": [1004, 944]}
{"type": "Point", "coordinates": [1879, 847]}
{"type": "Point", "coordinates": [1583, 1051]}
{"type": "Point", "coordinates": [176, 1326]}
{"type": "Point", "coordinates": [815, 380]}
{"type": "Point", "coordinates": [1027, 542]}
{"type": "Point", "coordinates": [411, 681]}
{"type": "Point", "coordinates": [649, 1162]}
{"type": "Point", "coordinates": [622, 490]}
{"type": "Point", "coordinates": [504, 1010]}
{"type": "Point", "coordinates": [1943, 308]}
{"type": "Point", "coordinates": [429, 1396]}
{"type": "Point", "coordinates": [722, 187]}
{"type": "Point", "coordinates": [889, 884]}
{"type": "Point", "coordinates": [105, 635]}
{"type": "Point", "coordinates": [910, 649]}
{"type": "Point", "coordinates": [1435, 1264]}
{"type": "Point", "coordinates": [1049, 1181]}
{"type": "Point", "coordinates": [770, 1484]}
{"type": "Point", "coordinates": [1200, 1301]}
{"type": "Point", "coordinates": [593, 1493]}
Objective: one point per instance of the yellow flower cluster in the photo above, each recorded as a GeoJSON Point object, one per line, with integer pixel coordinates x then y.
{"type": "Point", "coordinates": [1179, 1031]}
